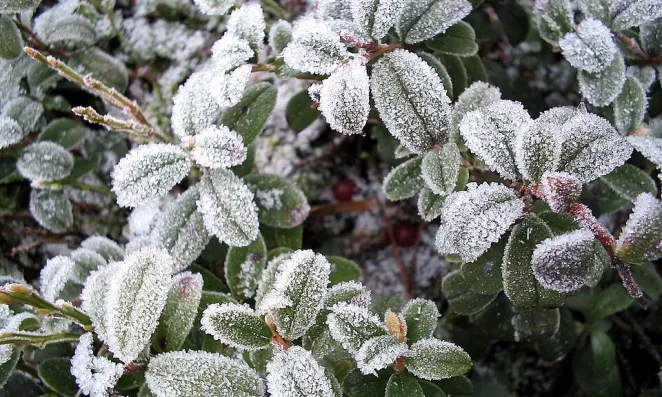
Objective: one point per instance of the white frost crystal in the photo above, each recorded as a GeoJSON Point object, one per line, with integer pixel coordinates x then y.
{"type": "Point", "coordinates": [135, 299]}
{"type": "Point", "coordinates": [423, 19]}
{"type": "Point", "coordinates": [601, 88]}
{"type": "Point", "coordinates": [45, 161]}
{"type": "Point", "coordinates": [474, 219]}
{"type": "Point", "coordinates": [433, 359]}
{"type": "Point", "coordinates": [315, 48]}
{"type": "Point", "coordinates": [280, 35]}
{"type": "Point", "coordinates": [94, 298]}
{"type": "Point", "coordinates": [378, 353]}
{"type": "Point", "coordinates": [105, 247]}
{"type": "Point", "coordinates": [411, 100]}
{"type": "Point", "coordinates": [375, 17]}
{"type": "Point", "coordinates": [641, 237]}
{"type": "Point", "coordinates": [218, 147]}
{"type": "Point", "coordinates": [352, 325]}
{"type": "Point", "coordinates": [247, 22]}
{"type": "Point", "coordinates": [201, 374]}
{"type": "Point", "coordinates": [629, 13]}
{"type": "Point", "coordinates": [228, 88]}
{"type": "Point", "coordinates": [345, 99]}
{"type": "Point", "coordinates": [214, 7]}
{"type": "Point", "coordinates": [352, 292]}
{"type": "Point", "coordinates": [147, 172]}
{"type": "Point", "coordinates": [230, 52]}
{"type": "Point", "coordinates": [477, 95]}
{"type": "Point", "coordinates": [490, 133]}
{"type": "Point", "coordinates": [649, 146]}
{"type": "Point", "coordinates": [440, 169]}
{"type": "Point", "coordinates": [561, 263]}
{"type": "Point", "coordinates": [194, 108]}
{"type": "Point", "coordinates": [236, 325]}
{"type": "Point", "coordinates": [180, 309]}
{"type": "Point", "coordinates": [560, 190]}
{"type": "Point", "coordinates": [295, 373]}
{"type": "Point", "coordinates": [96, 376]}
{"type": "Point", "coordinates": [55, 275]}
{"type": "Point", "coordinates": [227, 208]}
{"type": "Point", "coordinates": [590, 47]}
{"type": "Point", "coordinates": [10, 132]}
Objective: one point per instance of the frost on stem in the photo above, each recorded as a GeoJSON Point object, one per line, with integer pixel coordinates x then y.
{"type": "Point", "coordinates": [378, 353]}
{"type": "Point", "coordinates": [201, 374]}
{"type": "Point", "coordinates": [423, 19]}
{"type": "Point", "coordinates": [590, 47]}
{"type": "Point", "coordinates": [96, 376]}
{"type": "Point", "coordinates": [352, 326]}
{"type": "Point", "coordinates": [55, 275]}
{"type": "Point", "coordinates": [236, 325]}
{"type": "Point", "coordinates": [218, 147]}
{"type": "Point", "coordinates": [214, 7]}
{"type": "Point", "coordinates": [295, 373]}
{"type": "Point", "coordinates": [315, 48]}
{"type": "Point", "coordinates": [147, 172]}
{"type": "Point", "coordinates": [11, 132]}
{"type": "Point", "coordinates": [344, 99]}
{"type": "Point", "coordinates": [474, 219]}
{"type": "Point", "coordinates": [641, 237]}
{"type": "Point", "coordinates": [375, 17]}
{"type": "Point", "coordinates": [411, 100]}
{"type": "Point", "coordinates": [490, 133]}
{"type": "Point", "coordinates": [45, 161]}
{"type": "Point", "coordinates": [193, 107]}
{"type": "Point", "coordinates": [136, 296]}
{"type": "Point", "coordinates": [247, 22]}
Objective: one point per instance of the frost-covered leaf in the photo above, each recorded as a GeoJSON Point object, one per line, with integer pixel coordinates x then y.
{"type": "Point", "coordinates": [560, 190]}
{"type": "Point", "coordinates": [315, 48]}
{"type": "Point", "coordinates": [433, 359]}
{"type": "Point", "coordinates": [352, 292]}
{"type": "Point", "coordinates": [536, 323]}
{"type": "Point", "coordinates": [459, 39]}
{"type": "Point", "coordinates": [591, 147]}
{"type": "Point", "coordinates": [243, 268]}
{"type": "Point", "coordinates": [268, 278]}
{"type": "Point", "coordinates": [179, 311]}
{"type": "Point", "coordinates": [563, 263]}
{"type": "Point", "coordinates": [54, 277]}
{"type": "Point", "coordinates": [640, 239]}
{"type": "Point", "coordinates": [295, 373]}
{"type": "Point", "coordinates": [230, 52]}
{"type": "Point", "coordinates": [352, 326]}
{"type": "Point", "coordinates": [476, 96]}
{"type": "Point", "coordinates": [280, 202]}
{"type": "Point", "coordinates": [649, 146]}
{"type": "Point", "coordinates": [214, 7]}
{"type": "Point", "coordinates": [490, 133]}
{"type": "Point", "coordinates": [590, 47]}
{"type": "Point", "coordinates": [375, 17]}
{"type": "Point", "coordinates": [378, 353]}
{"type": "Point", "coordinates": [227, 208]}
{"type": "Point", "coordinates": [601, 88]}
{"type": "Point", "coordinates": [247, 22]}
{"type": "Point", "coordinates": [430, 204]}
{"type": "Point", "coordinates": [147, 172]}
{"type": "Point", "coordinates": [628, 13]}
{"type": "Point", "coordinates": [251, 113]}
{"type": "Point", "coordinates": [344, 99]}
{"type": "Point", "coordinates": [228, 88]}
{"type": "Point", "coordinates": [105, 247]}
{"type": "Point", "coordinates": [334, 9]}
{"type": "Point", "coordinates": [15, 6]}
{"type": "Point", "coordinates": [423, 19]}
{"type": "Point", "coordinates": [554, 18]}
{"type": "Point", "coordinates": [236, 325]}
{"type": "Point", "coordinates": [86, 262]}
{"type": "Point", "coordinates": [45, 161]}
{"type": "Point", "coordinates": [462, 296]}
{"type": "Point", "coordinates": [596, 9]}
{"type": "Point", "coordinates": [60, 27]}
{"type": "Point", "coordinates": [630, 106]}
{"type": "Point", "coordinates": [645, 75]}
{"type": "Point", "coordinates": [96, 376]}
{"type": "Point", "coordinates": [280, 35]}
{"type": "Point", "coordinates": [11, 132]}
{"type": "Point", "coordinates": [411, 100]}
{"type": "Point", "coordinates": [446, 80]}
{"type": "Point", "coordinates": [650, 34]}
{"type": "Point", "coordinates": [484, 274]}
{"type": "Point", "coordinates": [135, 299]}
{"type": "Point", "coordinates": [193, 109]}
{"type": "Point", "coordinates": [52, 209]}
{"type": "Point", "coordinates": [101, 66]}
{"type": "Point", "coordinates": [404, 180]}
{"type": "Point", "coordinates": [218, 147]}
{"type": "Point", "coordinates": [403, 385]}
{"type": "Point", "coordinates": [201, 374]}
{"type": "Point", "coordinates": [421, 316]}
{"type": "Point", "coordinates": [440, 169]}
{"type": "Point", "coordinates": [472, 220]}
{"type": "Point", "coordinates": [94, 297]}
{"type": "Point", "coordinates": [11, 41]}
{"type": "Point", "coordinates": [629, 182]}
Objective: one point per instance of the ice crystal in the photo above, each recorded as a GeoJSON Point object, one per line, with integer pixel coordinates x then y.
{"type": "Point", "coordinates": [411, 100]}
{"type": "Point", "coordinates": [476, 96]}
{"type": "Point", "coordinates": [490, 132]}
{"type": "Point", "coordinates": [228, 88]}
{"type": "Point", "coordinates": [472, 220]}
{"type": "Point", "coordinates": [236, 325]}
{"type": "Point", "coordinates": [105, 247]}
{"type": "Point", "coordinates": [560, 263]}
{"type": "Point", "coordinates": [423, 19]}
{"type": "Point", "coordinates": [169, 40]}
{"type": "Point", "coordinates": [45, 161]}
{"type": "Point", "coordinates": [180, 309]}
{"type": "Point", "coordinates": [280, 35]}
{"type": "Point", "coordinates": [227, 208]}
{"type": "Point", "coordinates": [351, 292]}
{"type": "Point", "coordinates": [201, 374]}
{"type": "Point", "coordinates": [629, 13]}
{"type": "Point", "coordinates": [194, 108]}
{"type": "Point", "coordinates": [433, 359]}
{"type": "Point", "coordinates": [650, 147]}
{"type": "Point", "coordinates": [230, 52]}
{"type": "Point", "coordinates": [135, 299]}
{"type": "Point", "coordinates": [181, 230]}
{"type": "Point", "coordinates": [601, 88]}
{"type": "Point", "coordinates": [96, 376]}
{"type": "Point", "coordinates": [10, 132]}
{"type": "Point", "coordinates": [247, 22]}
{"type": "Point", "coordinates": [147, 172]}
{"type": "Point", "coordinates": [352, 325]}
{"type": "Point", "coordinates": [218, 147]}
{"type": "Point", "coordinates": [55, 275]}
{"type": "Point", "coordinates": [378, 353]}
{"type": "Point", "coordinates": [214, 7]}
{"type": "Point", "coordinates": [590, 47]}
{"type": "Point", "coordinates": [376, 17]}
{"type": "Point", "coordinates": [560, 190]}
{"type": "Point", "coordinates": [538, 145]}
{"type": "Point", "coordinates": [295, 373]}
{"type": "Point", "coordinates": [641, 237]}
{"type": "Point", "coordinates": [630, 106]}
{"type": "Point", "coordinates": [344, 99]}
{"type": "Point", "coordinates": [314, 48]}
{"type": "Point", "coordinates": [94, 298]}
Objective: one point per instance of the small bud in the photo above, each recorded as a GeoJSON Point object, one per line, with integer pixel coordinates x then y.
{"type": "Point", "coordinates": [396, 325]}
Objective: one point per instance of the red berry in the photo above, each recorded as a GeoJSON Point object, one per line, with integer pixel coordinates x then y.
{"type": "Point", "coordinates": [344, 190]}
{"type": "Point", "coordinates": [405, 234]}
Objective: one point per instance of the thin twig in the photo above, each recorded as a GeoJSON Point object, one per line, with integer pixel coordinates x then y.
{"type": "Point", "coordinates": [629, 282]}
{"type": "Point", "coordinates": [36, 42]}
{"type": "Point", "coordinates": [634, 47]}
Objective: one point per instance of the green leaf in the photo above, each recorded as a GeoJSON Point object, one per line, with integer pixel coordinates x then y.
{"type": "Point", "coordinates": [403, 385]}
{"type": "Point", "coordinates": [554, 19]}
{"type": "Point", "coordinates": [55, 372]}
{"type": "Point", "coordinates": [52, 209]}
{"type": "Point", "coordinates": [434, 359]}
{"type": "Point", "coordinates": [179, 312]}
{"type": "Point", "coordinates": [285, 238]}
{"type": "Point", "coordinates": [441, 71]}
{"type": "Point", "coordinates": [639, 240]}
{"type": "Point", "coordinates": [343, 269]}
{"type": "Point", "coordinates": [475, 69]}
{"type": "Point", "coordinates": [459, 39]}
{"type": "Point", "coordinates": [7, 368]}
{"type": "Point", "coordinates": [440, 169]}
{"type": "Point", "coordinates": [11, 42]}
{"type": "Point", "coordinates": [280, 202]}
{"type": "Point", "coordinates": [430, 204]}
{"type": "Point", "coordinates": [249, 115]}
{"type": "Point", "coordinates": [630, 106]}
{"type": "Point", "coordinates": [41, 78]}
{"type": "Point", "coordinates": [484, 274]}
{"type": "Point", "coordinates": [67, 133]}
{"type": "Point", "coordinates": [611, 300]}
{"type": "Point", "coordinates": [591, 376]}
{"type": "Point", "coordinates": [629, 182]}
{"type": "Point", "coordinates": [536, 323]}
{"type": "Point", "coordinates": [457, 71]}
{"type": "Point", "coordinates": [353, 325]}
{"type": "Point", "coordinates": [211, 282]}
{"type": "Point", "coordinates": [422, 20]}
{"type": "Point", "coordinates": [519, 283]}
{"type": "Point", "coordinates": [359, 385]}
{"type": "Point", "coordinates": [16, 6]}
{"type": "Point", "coordinates": [102, 66]}
{"type": "Point", "coordinates": [456, 386]}
{"type": "Point", "coordinates": [514, 20]}
{"type": "Point", "coordinates": [404, 180]}
{"type": "Point", "coordinates": [602, 88]}
{"type": "Point", "coordinates": [243, 268]}
{"type": "Point", "coordinates": [299, 113]}
{"type": "Point", "coordinates": [603, 349]}
{"type": "Point", "coordinates": [607, 200]}
{"type": "Point", "coordinates": [26, 111]}
{"type": "Point", "coordinates": [246, 167]}
{"type": "Point", "coordinates": [236, 325]}
{"type": "Point", "coordinates": [562, 342]}
{"type": "Point", "coordinates": [21, 385]}
{"type": "Point", "coordinates": [421, 316]}
{"type": "Point", "coordinates": [461, 295]}
{"type": "Point", "coordinates": [430, 389]}
{"type": "Point", "coordinates": [145, 392]}
{"type": "Point", "coordinates": [649, 280]}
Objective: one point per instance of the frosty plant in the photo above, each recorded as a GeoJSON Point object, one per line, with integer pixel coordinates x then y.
{"type": "Point", "coordinates": [176, 96]}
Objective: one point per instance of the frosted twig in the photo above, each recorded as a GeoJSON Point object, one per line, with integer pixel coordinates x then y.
{"type": "Point", "coordinates": [634, 46]}
{"type": "Point", "coordinates": [629, 282]}
{"type": "Point", "coordinates": [136, 130]}
{"type": "Point", "coordinates": [34, 339]}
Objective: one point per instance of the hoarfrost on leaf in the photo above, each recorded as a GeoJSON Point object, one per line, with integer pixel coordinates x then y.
{"type": "Point", "coordinates": [52, 209]}
{"type": "Point", "coordinates": [560, 190]}
{"type": "Point", "coordinates": [45, 161]}
{"type": "Point", "coordinates": [194, 108]}
{"type": "Point", "coordinates": [55, 275]}
{"type": "Point", "coordinates": [218, 147]}
{"type": "Point", "coordinates": [94, 298]}
{"type": "Point", "coordinates": [601, 88]}
{"type": "Point", "coordinates": [630, 13]}
{"type": "Point", "coordinates": [334, 9]}
{"type": "Point", "coordinates": [378, 353]}
{"type": "Point", "coordinates": [554, 18]}
{"type": "Point", "coordinates": [630, 106]}
{"type": "Point", "coordinates": [280, 35]}
{"type": "Point", "coordinates": [351, 292]}
{"type": "Point", "coordinates": [476, 96]}
{"type": "Point", "coordinates": [641, 237]}
{"type": "Point", "coordinates": [86, 262]}
{"type": "Point", "coordinates": [590, 47]}
{"type": "Point", "coordinates": [180, 310]}
{"type": "Point", "coordinates": [105, 247]}
{"type": "Point", "coordinates": [423, 19]}
{"type": "Point", "coordinates": [247, 22]}
{"type": "Point", "coordinates": [295, 373]}
{"type": "Point", "coordinates": [433, 359]}
{"type": "Point", "coordinates": [236, 325]}
{"type": "Point", "coordinates": [228, 88]}
{"type": "Point", "coordinates": [440, 169]}
{"type": "Point", "coordinates": [230, 52]}
{"type": "Point", "coordinates": [214, 7]}
{"type": "Point", "coordinates": [96, 376]}
{"type": "Point", "coordinates": [10, 132]}
{"type": "Point", "coordinates": [344, 99]}
{"type": "Point", "coordinates": [352, 325]}
{"type": "Point", "coordinates": [315, 48]}
{"type": "Point", "coordinates": [649, 146]}
{"type": "Point", "coordinates": [376, 17]}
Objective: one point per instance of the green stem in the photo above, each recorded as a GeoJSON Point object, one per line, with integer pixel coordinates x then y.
{"type": "Point", "coordinates": [80, 186]}
{"type": "Point", "coordinates": [34, 339]}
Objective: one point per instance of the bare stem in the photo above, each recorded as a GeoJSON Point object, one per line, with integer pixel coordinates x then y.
{"type": "Point", "coordinates": [634, 47]}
